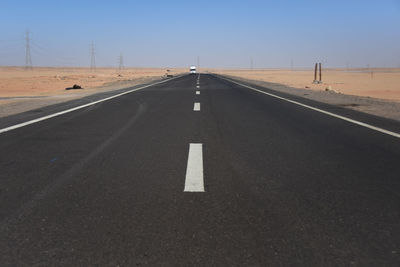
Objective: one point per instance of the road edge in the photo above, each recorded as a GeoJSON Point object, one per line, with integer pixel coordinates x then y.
{"type": "Point", "coordinates": [308, 106]}
{"type": "Point", "coordinates": [59, 113]}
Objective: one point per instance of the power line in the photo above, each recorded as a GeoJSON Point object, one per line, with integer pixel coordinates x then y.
{"type": "Point", "coordinates": [28, 58]}
{"type": "Point", "coordinates": [55, 54]}
{"type": "Point", "coordinates": [93, 58]}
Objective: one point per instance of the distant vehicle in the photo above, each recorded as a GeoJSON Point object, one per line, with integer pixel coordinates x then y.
{"type": "Point", "coordinates": [192, 69]}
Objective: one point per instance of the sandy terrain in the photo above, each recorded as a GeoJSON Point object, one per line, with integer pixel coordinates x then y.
{"type": "Point", "coordinates": [22, 90]}
{"type": "Point", "coordinates": [53, 81]}
{"type": "Point", "coordinates": [377, 83]}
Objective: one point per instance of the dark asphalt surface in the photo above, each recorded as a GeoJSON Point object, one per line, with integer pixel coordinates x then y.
{"type": "Point", "coordinates": [285, 186]}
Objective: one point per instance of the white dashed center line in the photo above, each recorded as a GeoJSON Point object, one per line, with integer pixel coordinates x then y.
{"type": "Point", "coordinates": [194, 181]}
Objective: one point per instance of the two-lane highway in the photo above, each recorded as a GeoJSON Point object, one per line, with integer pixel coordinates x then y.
{"type": "Point", "coordinates": [199, 171]}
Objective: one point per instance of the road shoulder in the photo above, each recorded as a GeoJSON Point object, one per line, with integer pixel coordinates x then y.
{"type": "Point", "coordinates": [34, 108]}
{"type": "Point", "coordinates": [325, 102]}
{"type": "Point", "coordinates": [374, 106]}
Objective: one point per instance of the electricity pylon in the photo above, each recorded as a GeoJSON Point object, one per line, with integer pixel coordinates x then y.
{"type": "Point", "coordinates": [92, 58]}
{"type": "Point", "coordinates": [28, 58]}
{"type": "Point", "coordinates": [121, 62]}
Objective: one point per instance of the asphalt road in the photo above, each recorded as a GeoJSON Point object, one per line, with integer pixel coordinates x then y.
{"type": "Point", "coordinates": [284, 185]}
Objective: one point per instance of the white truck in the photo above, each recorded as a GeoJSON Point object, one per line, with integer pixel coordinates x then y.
{"type": "Point", "coordinates": [192, 69]}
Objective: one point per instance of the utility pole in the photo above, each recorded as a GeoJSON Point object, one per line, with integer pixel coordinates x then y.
{"type": "Point", "coordinates": [315, 73]}
{"type": "Point", "coordinates": [320, 73]}
{"type": "Point", "coordinates": [251, 63]}
{"type": "Point", "coordinates": [121, 62]}
{"type": "Point", "coordinates": [92, 58]}
{"type": "Point", "coordinates": [198, 64]}
{"type": "Point", "coordinates": [28, 58]}
{"type": "Point", "coordinates": [291, 64]}
{"type": "Point", "coordinates": [318, 66]}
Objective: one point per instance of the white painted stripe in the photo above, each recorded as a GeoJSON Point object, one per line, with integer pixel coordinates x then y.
{"type": "Point", "coordinates": [16, 126]}
{"type": "Point", "coordinates": [198, 86]}
{"type": "Point", "coordinates": [197, 92]}
{"type": "Point", "coordinates": [194, 181]}
{"type": "Point", "coordinates": [196, 107]}
{"type": "Point", "coordinates": [363, 124]}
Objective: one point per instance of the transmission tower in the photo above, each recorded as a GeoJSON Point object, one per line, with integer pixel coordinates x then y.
{"type": "Point", "coordinates": [251, 63]}
{"type": "Point", "coordinates": [28, 58]}
{"type": "Point", "coordinates": [93, 58]}
{"type": "Point", "coordinates": [121, 62]}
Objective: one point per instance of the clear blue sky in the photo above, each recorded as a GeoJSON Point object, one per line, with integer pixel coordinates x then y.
{"type": "Point", "coordinates": [223, 33]}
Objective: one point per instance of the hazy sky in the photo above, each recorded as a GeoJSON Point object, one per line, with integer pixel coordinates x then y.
{"type": "Point", "coordinates": [223, 33]}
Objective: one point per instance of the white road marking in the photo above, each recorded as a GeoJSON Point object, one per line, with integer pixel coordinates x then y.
{"type": "Point", "coordinates": [197, 92]}
{"type": "Point", "coordinates": [196, 107]}
{"type": "Point", "coordinates": [363, 124]}
{"type": "Point", "coordinates": [198, 86]}
{"type": "Point", "coordinates": [194, 181]}
{"type": "Point", "coordinates": [16, 126]}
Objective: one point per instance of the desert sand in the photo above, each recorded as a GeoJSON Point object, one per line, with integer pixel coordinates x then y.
{"type": "Point", "coordinates": [19, 82]}
{"type": "Point", "coordinates": [23, 90]}
{"type": "Point", "coordinates": [376, 83]}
